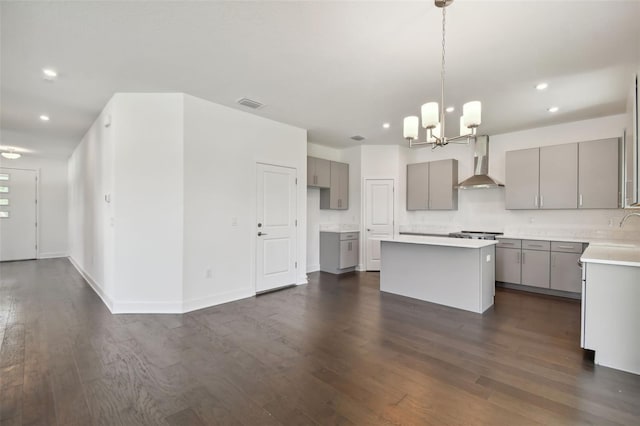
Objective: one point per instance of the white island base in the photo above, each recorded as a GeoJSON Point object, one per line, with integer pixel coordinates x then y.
{"type": "Point", "coordinates": [454, 272]}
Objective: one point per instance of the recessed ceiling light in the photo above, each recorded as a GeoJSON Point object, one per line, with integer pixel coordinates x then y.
{"type": "Point", "coordinates": [386, 125]}
{"type": "Point", "coordinates": [450, 109]}
{"type": "Point", "coordinates": [11, 155]}
{"type": "Point", "coordinates": [49, 74]}
{"type": "Point", "coordinates": [553, 109]}
{"type": "Point", "coordinates": [542, 86]}
{"type": "Point", "coordinates": [44, 117]}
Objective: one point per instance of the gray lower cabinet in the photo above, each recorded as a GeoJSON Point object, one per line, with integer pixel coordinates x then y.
{"type": "Point", "coordinates": [537, 263]}
{"type": "Point", "coordinates": [339, 251]}
{"type": "Point", "coordinates": [522, 175]}
{"type": "Point", "coordinates": [431, 185]}
{"type": "Point", "coordinates": [598, 174]}
{"type": "Point", "coordinates": [566, 274]}
{"type": "Point", "coordinates": [535, 268]}
{"type": "Point", "coordinates": [337, 196]}
{"type": "Point", "coordinates": [508, 265]}
{"type": "Point", "coordinates": [318, 172]}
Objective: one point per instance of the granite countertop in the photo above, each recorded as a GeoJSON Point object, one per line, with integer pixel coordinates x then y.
{"type": "Point", "coordinates": [440, 241]}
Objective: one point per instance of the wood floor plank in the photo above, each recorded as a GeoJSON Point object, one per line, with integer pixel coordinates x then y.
{"type": "Point", "coordinates": [335, 351]}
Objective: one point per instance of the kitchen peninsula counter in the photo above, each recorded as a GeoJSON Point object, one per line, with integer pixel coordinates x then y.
{"type": "Point", "coordinates": [454, 272]}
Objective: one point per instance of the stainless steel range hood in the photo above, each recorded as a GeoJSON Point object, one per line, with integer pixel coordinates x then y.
{"type": "Point", "coordinates": [480, 178]}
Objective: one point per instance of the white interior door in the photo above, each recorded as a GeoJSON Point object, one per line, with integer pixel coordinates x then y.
{"type": "Point", "coordinates": [378, 218]}
{"type": "Point", "coordinates": [276, 227]}
{"type": "Point", "coordinates": [17, 214]}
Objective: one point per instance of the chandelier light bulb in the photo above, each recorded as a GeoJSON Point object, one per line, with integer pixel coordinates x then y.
{"type": "Point", "coordinates": [472, 113]}
{"type": "Point", "coordinates": [430, 115]}
{"type": "Point", "coordinates": [410, 127]}
{"type": "Point", "coordinates": [464, 130]}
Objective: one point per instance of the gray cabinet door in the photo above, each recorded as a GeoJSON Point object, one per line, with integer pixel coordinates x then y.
{"type": "Point", "coordinates": [598, 174]}
{"type": "Point", "coordinates": [348, 253]}
{"type": "Point", "coordinates": [559, 176]}
{"type": "Point", "coordinates": [323, 173]}
{"type": "Point", "coordinates": [522, 176]}
{"type": "Point", "coordinates": [508, 265]}
{"type": "Point", "coordinates": [337, 196]}
{"type": "Point", "coordinates": [566, 275]}
{"type": "Point", "coordinates": [535, 268]}
{"type": "Point", "coordinates": [418, 186]}
{"type": "Point", "coordinates": [443, 177]}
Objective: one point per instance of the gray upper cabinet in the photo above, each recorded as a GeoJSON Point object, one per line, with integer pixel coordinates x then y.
{"type": "Point", "coordinates": [559, 177]}
{"type": "Point", "coordinates": [418, 186]}
{"type": "Point", "coordinates": [522, 172]}
{"type": "Point", "coordinates": [431, 186]}
{"type": "Point", "coordinates": [337, 196]}
{"type": "Point", "coordinates": [318, 172]}
{"type": "Point", "coordinates": [598, 174]}
{"type": "Point", "coordinates": [443, 177]}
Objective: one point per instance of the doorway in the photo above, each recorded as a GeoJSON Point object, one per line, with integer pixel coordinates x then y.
{"type": "Point", "coordinates": [378, 218]}
{"type": "Point", "coordinates": [276, 227]}
{"type": "Point", "coordinates": [18, 214]}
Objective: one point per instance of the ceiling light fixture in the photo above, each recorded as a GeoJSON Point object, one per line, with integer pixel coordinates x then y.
{"type": "Point", "coordinates": [11, 155]}
{"type": "Point", "coordinates": [433, 119]}
{"type": "Point", "coordinates": [44, 117]}
{"type": "Point", "coordinates": [386, 125]}
{"type": "Point", "coordinates": [553, 109]}
{"type": "Point", "coordinates": [49, 74]}
{"type": "Point", "coordinates": [542, 86]}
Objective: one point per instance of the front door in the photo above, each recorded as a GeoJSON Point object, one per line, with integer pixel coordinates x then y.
{"type": "Point", "coordinates": [17, 214]}
{"type": "Point", "coordinates": [276, 227]}
{"type": "Point", "coordinates": [378, 218]}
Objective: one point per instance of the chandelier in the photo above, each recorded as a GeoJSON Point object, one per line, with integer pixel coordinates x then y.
{"type": "Point", "coordinates": [433, 116]}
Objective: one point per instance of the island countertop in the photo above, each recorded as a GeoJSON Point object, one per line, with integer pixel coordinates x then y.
{"type": "Point", "coordinates": [623, 255]}
{"type": "Point", "coordinates": [441, 241]}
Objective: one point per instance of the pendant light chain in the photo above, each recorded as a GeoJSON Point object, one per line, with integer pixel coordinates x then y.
{"type": "Point", "coordinates": [442, 107]}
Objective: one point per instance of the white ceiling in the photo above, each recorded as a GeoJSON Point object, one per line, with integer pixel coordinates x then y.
{"type": "Point", "coordinates": [335, 68]}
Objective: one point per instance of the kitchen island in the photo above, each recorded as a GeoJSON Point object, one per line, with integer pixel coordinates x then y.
{"type": "Point", "coordinates": [610, 314]}
{"type": "Point", "coordinates": [454, 272]}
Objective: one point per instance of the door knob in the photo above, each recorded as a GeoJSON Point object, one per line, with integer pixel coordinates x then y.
{"type": "Point", "coordinates": [259, 225]}
{"type": "Point", "coordinates": [260, 234]}
{"type": "Point", "coordinates": [368, 229]}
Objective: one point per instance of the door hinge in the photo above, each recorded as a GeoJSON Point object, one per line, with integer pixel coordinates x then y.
{"type": "Point", "coordinates": [296, 222]}
{"type": "Point", "coordinates": [296, 265]}
{"type": "Point", "coordinates": [296, 181]}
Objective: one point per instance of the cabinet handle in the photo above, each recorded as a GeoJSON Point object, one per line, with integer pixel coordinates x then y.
{"type": "Point", "coordinates": [315, 179]}
{"type": "Point", "coordinates": [518, 258]}
{"type": "Point", "coordinates": [523, 258]}
{"type": "Point", "coordinates": [580, 202]}
{"type": "Point", "coordinates": [535, 201]}
{"type": "Point", "coordinates": [553, 261]}
{"type": "Point", "coordinates": [541, 201]}
{"type": "Point", "coordinates": [565, 247]}
{"type": "Point", "coordinates": [505, 244]}
{"type": "Point", "coordinates": [534, 245]}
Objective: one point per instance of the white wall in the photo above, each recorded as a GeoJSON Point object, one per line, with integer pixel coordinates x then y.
{"type": "Point", "coordinates": [147, 201]}
{"type": "Point", "coordinates": [222, 148]}
{"type": "Point", "coordinates": [52, 202]}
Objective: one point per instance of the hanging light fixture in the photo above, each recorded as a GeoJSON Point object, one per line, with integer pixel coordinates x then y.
{"type": "Point", "coordinates": [433, 115]}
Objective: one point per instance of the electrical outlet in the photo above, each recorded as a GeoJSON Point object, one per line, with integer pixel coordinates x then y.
{"type": "Point", "coordinates": [488, 258]}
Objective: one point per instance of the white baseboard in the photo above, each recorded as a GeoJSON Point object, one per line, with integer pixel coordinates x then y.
{"type": "Point", "coordinates": [52, 255]}
{"type": "Point", "coordinates": [147, 307]}
{"type": "Point", "coordinates": [216, 299]}
{"type": "Point", "coordinates": [313, 268]}
{"type": "Point", "coordinates": [97, 288]}
{"type": "Point", "coordinates": [361, 268]}
{"type": "Point", "coordinates": [302, 280]}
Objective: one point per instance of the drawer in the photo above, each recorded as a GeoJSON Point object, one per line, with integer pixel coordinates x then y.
{"type": "Point", "coordinates": [536, 245]}
{"type": "Point", "coordinates": [348, 236]}
{"type": "Point", "coordinates": [509, 243]}
{"type": "Point", "coordinates": [566, 247]}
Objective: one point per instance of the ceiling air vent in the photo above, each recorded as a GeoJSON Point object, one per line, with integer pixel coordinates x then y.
{"type": "Point", "coordinates": [250, 103]}
{"type": "Point", "coordinates": [357, 138]}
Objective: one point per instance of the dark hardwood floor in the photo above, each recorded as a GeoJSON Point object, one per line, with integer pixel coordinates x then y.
{"type": "Point", "coordinates": [336, 351]}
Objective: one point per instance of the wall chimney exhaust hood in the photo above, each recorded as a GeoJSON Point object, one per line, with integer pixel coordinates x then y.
{"type": "Point", "coordinates": [480, 178]}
